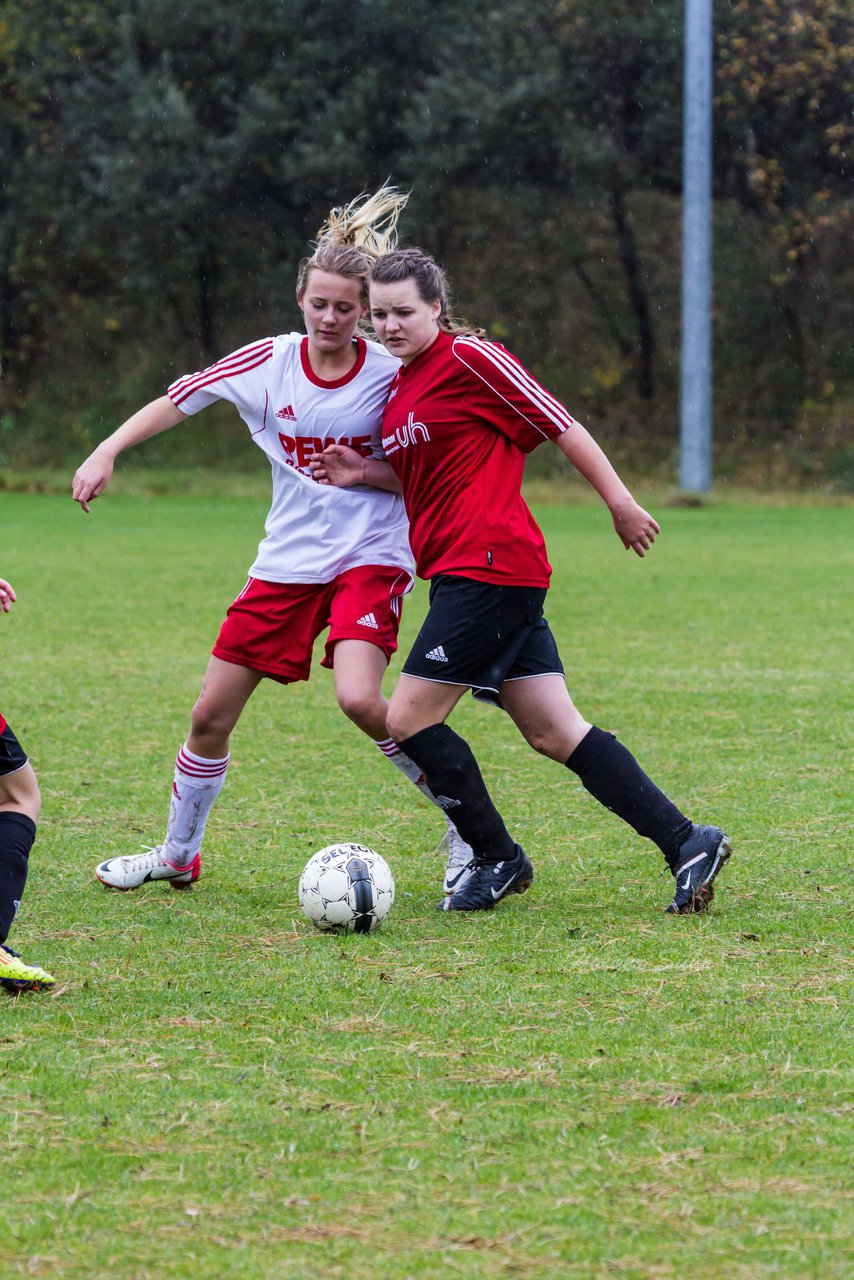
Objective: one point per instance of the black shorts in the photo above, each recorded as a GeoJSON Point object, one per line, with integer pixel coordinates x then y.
{"type": "Point", "coordinates": [480, 634]}
{"type": "Point", "coordinates": [12, 757]}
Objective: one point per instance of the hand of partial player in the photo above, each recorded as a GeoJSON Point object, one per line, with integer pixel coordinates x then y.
{"type": "Point", "coordinates": [337, 465]}
{"type": "Point", "coordinates": [7, 595]}
{"type": "Point", "coordinates": [92, 478]}
{"type": "Point", "coordinates": [636, 528]}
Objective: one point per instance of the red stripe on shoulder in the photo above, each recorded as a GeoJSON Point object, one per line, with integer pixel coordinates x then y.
{"type": "Point", "coordinates": [241, 361]}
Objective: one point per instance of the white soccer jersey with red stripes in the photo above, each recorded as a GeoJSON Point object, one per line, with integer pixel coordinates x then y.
{"type": "Point", "coordinates": [313, 532]}
{"type": "Point", "coordinates": [459, 420]}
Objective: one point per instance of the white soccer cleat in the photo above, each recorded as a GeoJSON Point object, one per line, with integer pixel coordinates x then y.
{"type": "Point", "coordinates": [135, 869]}
{"type": "Point", "coordinates": [460, 864]}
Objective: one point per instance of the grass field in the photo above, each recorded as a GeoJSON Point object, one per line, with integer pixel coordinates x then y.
{"type": "Point", "coordinates": [575, 1085]}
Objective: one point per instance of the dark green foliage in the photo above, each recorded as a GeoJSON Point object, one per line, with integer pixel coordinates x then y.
{"type": "Point", "coordinates": [164, 167]}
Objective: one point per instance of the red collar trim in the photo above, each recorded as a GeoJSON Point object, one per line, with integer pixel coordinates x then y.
{"type": "Point", "coordinates": [361, 353]}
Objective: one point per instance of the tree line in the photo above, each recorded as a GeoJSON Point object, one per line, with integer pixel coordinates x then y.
{"type": "Point", "coordinates": [164, 166]}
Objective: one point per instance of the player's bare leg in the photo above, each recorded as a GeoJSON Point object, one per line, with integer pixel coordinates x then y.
{"type": "Point", "coordinates": [358, 671]}
{"type": "Point", "coordinates": [226, 689]}
{"type": "Point", "coordinates": [200, 771]}
{"type": "Point", "coordinates": [19, 792]}
{"type": "Point", "coordinates": [545, 715]}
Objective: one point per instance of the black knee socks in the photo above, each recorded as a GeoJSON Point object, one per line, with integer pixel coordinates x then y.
{"type": "Point", "coordinates": [17, 833]}
{"type": "Point", "coordinates": [607, 769]}
{"type": "Point", "coordinates": [452, 774]}
{"type": "Point", "coordinates": [610, 773]}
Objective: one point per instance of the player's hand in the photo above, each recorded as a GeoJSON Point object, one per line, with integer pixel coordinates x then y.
{"type": "Point", "coordinates": [7, 595]}
{"type": "Point", "coordinates": [636, 528]}
{"type": "Point", "coordinates": [338, 465]}
{"type": "Point", "coordinates": [92, 478]}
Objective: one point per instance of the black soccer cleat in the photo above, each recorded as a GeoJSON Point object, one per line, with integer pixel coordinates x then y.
{"type": "Point", "coordinates": [699, 860]}
{"type": "Point", "coordinates": [490, 882]}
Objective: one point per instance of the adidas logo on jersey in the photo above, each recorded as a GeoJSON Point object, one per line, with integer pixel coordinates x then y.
{"type": "Point", "coordinates": [437, 654]}
{"type": "Point", "coordinates": [368, 621]}
{"type": "Point", "coordinates": [287, 412]}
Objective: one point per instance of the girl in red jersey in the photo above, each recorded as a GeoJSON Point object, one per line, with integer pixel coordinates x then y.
{"type": "Point", "coordinates": [462, 414]}
{"type": "Point", "coordinates": [340, 560]}
{"type": "Point", "coordinates": [20, 803]}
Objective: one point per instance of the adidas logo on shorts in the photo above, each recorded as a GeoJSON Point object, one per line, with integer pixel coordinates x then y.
{"type": "Point", "coordinates": [368, 620]}
{"type": "Point", "coordinates": [437, 654]}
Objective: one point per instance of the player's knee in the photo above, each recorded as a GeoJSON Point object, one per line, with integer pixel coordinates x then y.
{"type": "Point", "coordinates": [365, 709]}
{"type": "Point", "coordinates": [355, 704]}
{"type": "Point", "coordinates": [19, 793]}
{"type": "Point", "coordinates": [539, 741]}
{"type": "Point", "coordinates": [542, 742]}
{"type": "Point", "coordinates": [549, 743]}
{"type": "Point", "coordinates": [396, 725]}
{"type": "Point", "coordinates": [210, 721]}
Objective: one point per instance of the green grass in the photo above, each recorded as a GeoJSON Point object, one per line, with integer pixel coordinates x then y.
{"type": "Point", "coordinates": [575, 1085]}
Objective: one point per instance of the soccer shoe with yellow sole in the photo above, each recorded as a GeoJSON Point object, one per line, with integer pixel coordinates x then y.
{"type": "Point", "coordinates": [17, 976]}
{"type": "Point", "coordinates": [460, 864]}
{"type": "Point", "coordinates": [134, 869]}
{"type": "Point", "coordinates": [699, 860]}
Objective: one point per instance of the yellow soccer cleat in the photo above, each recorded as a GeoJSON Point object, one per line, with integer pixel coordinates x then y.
{"type": "Point", "coordinates": [17, 976]}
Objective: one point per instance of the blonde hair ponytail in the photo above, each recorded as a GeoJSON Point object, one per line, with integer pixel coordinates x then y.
{"type": "Point", "coordinates": [368, 223]}
{"type": "Point", "coordinates": [353, 235]}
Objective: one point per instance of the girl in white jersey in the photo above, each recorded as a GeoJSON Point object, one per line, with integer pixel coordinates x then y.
{"type": "Point", "coordinates": [329, 558]}
{"type": "Point", "coordinates": [462, 414]}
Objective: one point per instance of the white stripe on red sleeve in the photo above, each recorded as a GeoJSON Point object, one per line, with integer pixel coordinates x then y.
{"type": "Point", "coordinates": [492, 364]}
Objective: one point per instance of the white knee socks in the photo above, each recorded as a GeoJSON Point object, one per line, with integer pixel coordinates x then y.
{"type": "Point", "coordinates": [197, 784]}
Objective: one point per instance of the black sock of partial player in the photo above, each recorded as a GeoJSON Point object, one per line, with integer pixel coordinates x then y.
{"type": "Point", "coordinates": [453, 775]}
{"type": "Point", "coordinates": [17, 833]}
{"type": "Point", "coordinates": [610, 772]}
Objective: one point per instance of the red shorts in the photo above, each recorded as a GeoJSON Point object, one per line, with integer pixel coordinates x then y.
{"type": "Point", "coordinates": [272, 626]}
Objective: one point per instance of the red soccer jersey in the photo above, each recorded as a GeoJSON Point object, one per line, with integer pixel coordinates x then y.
{"type": "Point", "coordinates": [459, 420]}
{"type": "Point", "coordinates": [2, 723]}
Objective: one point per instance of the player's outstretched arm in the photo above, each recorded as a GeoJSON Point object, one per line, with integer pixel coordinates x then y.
{"type": "Point", "coordinates": [7, 596]}
{"type": "Point", "coordinates": [636, 528]}
{"type": "Point", "coordinates": [342, 467]}
{"type": "Point", "coordinates": [93, 475]}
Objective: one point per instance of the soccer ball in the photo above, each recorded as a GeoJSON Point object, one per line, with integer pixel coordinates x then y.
{"type": "Point", "coordinates": [346, 888]}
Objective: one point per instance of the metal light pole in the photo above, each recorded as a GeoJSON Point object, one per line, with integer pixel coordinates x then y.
{"type": "Point", "coordinates": [695, 470]}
